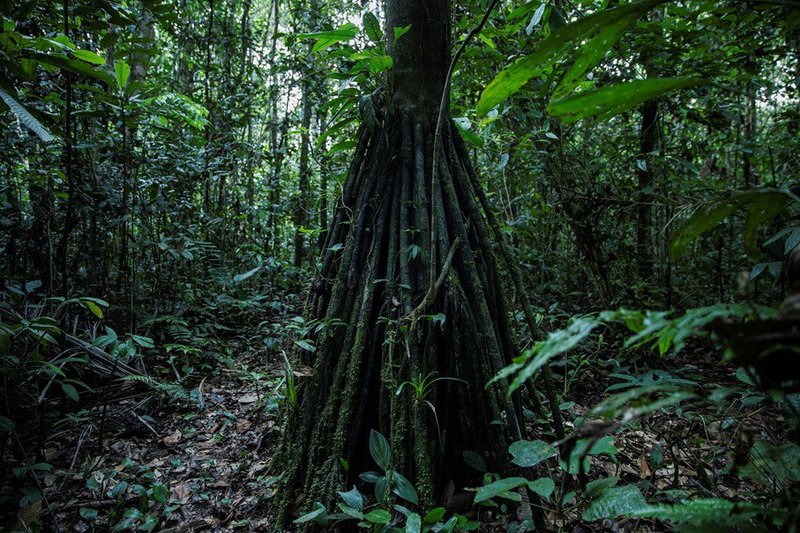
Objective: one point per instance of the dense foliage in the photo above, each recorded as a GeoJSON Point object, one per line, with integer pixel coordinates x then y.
{"type": "Point", "coordinates": [170, 176]}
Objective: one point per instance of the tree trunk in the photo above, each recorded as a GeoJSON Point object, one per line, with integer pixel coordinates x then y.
{"type": "Point", "coordinates": [276, 157]}
{"type": "Point", "coordinates": [323, 190]}
{"type": "Point", "coordinates": [397, 227]}
{"type": "Point", "coordinates": [749, 134]}
{"type": "Point", "coordinates": [70, 218]}
{"type": "Point", "coordinates": [647, 143]}
{"type": "Point", "coordinates": [301, 205]}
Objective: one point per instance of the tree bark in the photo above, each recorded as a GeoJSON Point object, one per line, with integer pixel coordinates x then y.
{"type": "Point", "coordinates": [648, 133]}
{"type": "Point", "coordinates": [301, 205]}
{"type": "Point", "coordinates": [749, 135]}
{"type": "Point", "coordinates": [382, 322]}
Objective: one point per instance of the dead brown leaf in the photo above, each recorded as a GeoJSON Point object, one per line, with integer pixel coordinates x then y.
{"type": "Point", "coordinates": [173, 438]}
{"type": "Point", "coordinates": [644, 468]}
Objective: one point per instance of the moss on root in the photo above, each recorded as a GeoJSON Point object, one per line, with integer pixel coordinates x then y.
{"type": "Point", "coordinates": [374, 273]}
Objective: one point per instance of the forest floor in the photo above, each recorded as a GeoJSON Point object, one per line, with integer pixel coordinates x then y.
{"type": "Point", "coordinates": [204, 462]}
{"type": "Point", "coordinates": [211, 455]}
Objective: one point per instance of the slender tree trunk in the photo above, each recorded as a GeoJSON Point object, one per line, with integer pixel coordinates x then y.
{"type": "Point", "coordinates": [70, 219]}
{"type": "Point", "coordinates": [301, 205]}
{"type": "Point", "coordinates": [273, 222]}
{"type": "Point", "coordinates": [301, 208]}
{"type": "Point", "coordinates": [749, 135]}
{"type": "Point", "coordinates": [648, 133]}
{"type": "Point", "coordinates": [207, 97]}
{"type": "Point", "coordinates": [323, 190]}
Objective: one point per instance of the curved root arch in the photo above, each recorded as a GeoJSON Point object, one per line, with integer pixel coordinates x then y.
{"type": "Point", "coordinates": [374, 274]}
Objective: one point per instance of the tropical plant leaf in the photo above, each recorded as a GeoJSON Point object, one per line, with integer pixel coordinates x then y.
{"type": "Point", "coordinates": [543, 486]}
{"type": "Point", "coordinates": [615, 501]}
{"type": "Point", "coordinates": [353, 498]}
{"type": "Point", "coordinates": [553, 49]}
{"type": "Point", "coordinates": [372, 26]}
{"type": "Point", "coordinates": [497, 488]}
{"type": "Point", "coordinates": [756, 206]}
{"type": "Point", "coordinates": [25, 117]}
{"type": "Point", "coordinates": [72, 65]}
{"type": "Point", "coordinates": [122, 71]}
{"type": "Point", "coordinates": [595, 49]}
{"type": "Point", "coordinates": [317, 514]}
{"type": "Point", "coordinates": [378, 516]}
{"type": "Point", "coordinates": [706, 512]}
{"type": "Point", "coordinates": [530, 453]}
{"type": "Point", "coordinates": [614, 99]}
{"type": "Point", "coordinates": [404, 488]}
{"type": "Point", "coordinates": [326, 39]}
{"type": "Point", "coordinates": [89, 57]}
{"type": "Point", "coordinates": [379, 449]}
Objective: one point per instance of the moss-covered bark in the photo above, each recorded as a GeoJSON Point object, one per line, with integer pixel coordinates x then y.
{"type": "Point", "coordinates": [404, 246]}
{"type": "Point", "coordinates": [374, 274]}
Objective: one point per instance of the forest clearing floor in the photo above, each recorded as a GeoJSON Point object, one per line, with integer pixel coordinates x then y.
{"type": "Point", "coordinates": [208, 467]}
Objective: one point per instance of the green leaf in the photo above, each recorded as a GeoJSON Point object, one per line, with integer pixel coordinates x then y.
{"type": "Point", "coordinates": [374, 63]}
{"type": "Point", "coordinates": [530, 453]}
{"type": "Point", "coordinates": [160, 492]}
{"type": "Point", "coordinates": [557, 343]}
{"type": "Point", "coordinates": [413, 523]}
{"type": "Point", "coordinates": [380, 450]}
{"type": "Point", "coordinates": [144, 342]}
{"type": "Point", "coordinates": [306, 345]}
{"type": "Point", "coordinates": [763, 208]}
{"type": "Point", "coordinates": [595, 49]}
{"type": "Point", "coordinates": [336, 128]}
{"type": "Point", "coordinates": [94, 308]}
{"type": "Point", "coordinates": [472, 138]}
{"type": "Point", "coordinates": [615, 99]}
{"type": "Point", "coordinates": [791, 242]}
{"type": "Point", "coordinates": [238, 278]}
{"type": "Point", "coordinates": [497, 488]}
{"type": "Point", "coordinates": [318, 514]}
{"type": "Point", "coordinates": [369, 477]}
{"type": "Point", "coordinates": [475, 460]}
{"type": "Point", "coordinates": [598, 486]}
{"type": "Point", "coordinates": [25, 117]}
{"type": "Point", "coordinates": [70, 391]}
{"type": "Point", "coordinates": [149, 523]}
{"type": "Point", "coordinates": [381, 489]}
{"type": "Point", "coordinates": [712, 514]}
{"type": "Point", "coordinates": [89, 57]}
{"type": "Point", "coordinates": [378, 516]}
{"type": "Point", "coordinates": [434, 515]}
{"type": "Point", "coordinates": [342, 146]}
{"type": "Point", "coordinates": [614, 502]}
{"type": "Point", "coordinates": [399, 31]}
{"type": "Point", "coordinates": [122, 72]}
{"type": "Point", "coordinates": [773, 464]}
{"type": "Point", "coordinates": [543, 486]}
{"type": "Point", "coordinates": [77, 66]}
{"type": "Point", "coordinates": [353, 498]}
{"type": "Point", "coordinates": [553, 49]}
{"type": "Point", "coordinates": [756, 206]}
{"type": "Point", "coordinates": [536, 18]}
{"type": "Point", "coordinates": [404, 488]}
{"type": "Point", "coordinates": [372, 26]}
{"type": "Point", "coordinates": [326, 39]}
{"type": "Point", "coordinates": [118, 490]}
{"type": "Point", "coordinates": [90, 515]}
{"type": "Point", "coordinates": [579, 456]}
{"type": "Point", "coordinates": [350, 511]}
